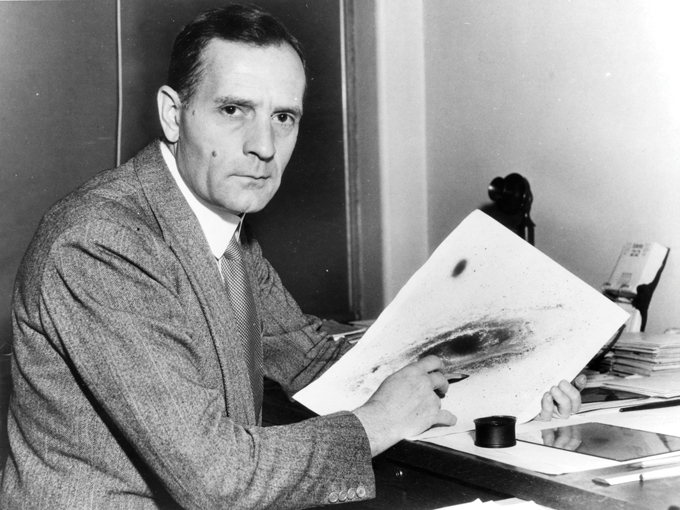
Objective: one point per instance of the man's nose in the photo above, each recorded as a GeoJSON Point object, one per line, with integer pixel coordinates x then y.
{"type": "Point", "coordinates": [260, 139]}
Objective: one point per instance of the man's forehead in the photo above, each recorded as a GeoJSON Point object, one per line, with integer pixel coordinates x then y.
{"type": "Point", "coordinates": [274, 68]}
{"type": "Point", "coordinates": [237, 58]}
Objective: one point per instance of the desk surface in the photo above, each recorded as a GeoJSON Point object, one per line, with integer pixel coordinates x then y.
{"type": "Point", "coordinates": [574, 491]}
{"type": "Point", "coordinates": [427, 476]}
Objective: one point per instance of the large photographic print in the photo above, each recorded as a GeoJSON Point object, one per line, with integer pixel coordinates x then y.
{"type": "Point", "coordinates": [491, 306]}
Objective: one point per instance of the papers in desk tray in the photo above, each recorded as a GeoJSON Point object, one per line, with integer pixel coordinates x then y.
{"type": "Point", "coordinates": [596, 398]}
{"type": "Point", "coordinates": [664, 385]}
{"type": "Point", "coordinates": [646, 353]}
{"type": "Point", "coordinates": [489, 305]}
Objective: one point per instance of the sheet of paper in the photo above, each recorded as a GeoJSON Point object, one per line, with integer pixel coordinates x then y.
{"type": "Point", "coordinates": [491, 306]}
{"type": "Point", "coordinates": [556, 462]}
{"type": "Point", "coordinates": [525, 455]}
{"type": "Point", "coordinates": [514, 503]}
{"type": "Point", "coordinates": [658, 385]}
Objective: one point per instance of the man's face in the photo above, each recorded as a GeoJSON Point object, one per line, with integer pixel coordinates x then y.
{"type": "Point", "coordinates": [238, 131]}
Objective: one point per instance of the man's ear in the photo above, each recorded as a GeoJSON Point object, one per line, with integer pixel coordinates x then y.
{"type": "Point", "coordinates": [169, 112]}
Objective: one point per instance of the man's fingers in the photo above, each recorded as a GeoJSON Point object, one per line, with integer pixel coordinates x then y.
{"type": "Point", "coordinates": [567, 399]}
{"type": "Point", "coordinates": [406, 403]}
{"type": "Point", "coordinates": [562, 408]}
{"type": "Point", "coordinates": [562, 400]}
{"type": "Point", "coordinates": [573, 395]}
{"type": "Point", "coordinates": [547, 407]}
{"type": "Point", "coordinates": [430, 363]}
{"type": "Point", "coordinates": [439, 382]}
{"type": "Point", "coordinates": [580, 382]}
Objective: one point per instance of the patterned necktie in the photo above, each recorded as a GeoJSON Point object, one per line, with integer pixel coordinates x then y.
{"type": "Point", "coordinates": [243, 305]}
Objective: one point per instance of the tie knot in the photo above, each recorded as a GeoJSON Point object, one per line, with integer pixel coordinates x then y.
{"type": "Point", "coordinates": [233, 251]}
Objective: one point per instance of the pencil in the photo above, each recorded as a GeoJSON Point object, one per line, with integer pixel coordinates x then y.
{"type": "Point", "coordinates": [656, 462]}
{"type": "Point", "coordinates": [455, 376]}
{"type": "Point", "coordinates": [652, 405]}
{"type": "Point", "coordinates": [639, 476]}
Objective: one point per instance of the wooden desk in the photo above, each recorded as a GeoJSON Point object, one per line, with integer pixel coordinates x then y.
{"type": "Point", "coordinates": [414, 475]}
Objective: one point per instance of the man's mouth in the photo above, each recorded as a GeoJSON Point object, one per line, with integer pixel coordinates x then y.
{"type": "Point", "coordinates": [254, 177]}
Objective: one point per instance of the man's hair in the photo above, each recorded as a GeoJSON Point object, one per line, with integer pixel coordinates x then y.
{"type": "Point", "coordinates": [237, 23]}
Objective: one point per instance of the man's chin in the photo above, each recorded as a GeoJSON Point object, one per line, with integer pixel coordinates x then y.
{"type": "Point", "coordinates": [247, 206]}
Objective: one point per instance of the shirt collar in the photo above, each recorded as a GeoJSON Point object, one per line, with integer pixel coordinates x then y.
{"type": "Point", "coordinates": [218, 225]}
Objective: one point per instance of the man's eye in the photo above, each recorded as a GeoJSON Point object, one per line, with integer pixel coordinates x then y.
{"type": "Point", "coordinates": [285, 119]}
{"type": "Point", "coordinates": [230, 110]}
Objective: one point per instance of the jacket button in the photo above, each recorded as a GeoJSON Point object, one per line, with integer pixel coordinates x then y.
{"type": "Point", "coordinates": [351, 494]}
{"type": "Point", "coordinates": [342, 496]}
{"type": "Point", "coordinates": [333, 497]}
{"type": "Point", "coordinates": [361, 491]}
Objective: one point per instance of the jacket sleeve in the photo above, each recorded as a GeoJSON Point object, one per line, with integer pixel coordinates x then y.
{"type": "Point", "coordinates": [295, 349]}
{"type": "Point", "coordinates": [113, 302]}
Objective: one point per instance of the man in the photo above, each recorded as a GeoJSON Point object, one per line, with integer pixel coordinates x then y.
{"type": "Point", "coordinates": [137, 382]}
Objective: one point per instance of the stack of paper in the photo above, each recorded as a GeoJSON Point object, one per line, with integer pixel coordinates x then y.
{"type": "Point", "coordinates": [645, 354]}
{"type": "Point", "coordinates": [661, 384]}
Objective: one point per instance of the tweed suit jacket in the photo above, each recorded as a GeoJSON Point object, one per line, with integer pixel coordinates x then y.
{"type": "Point", "coordinates": [130, 387]}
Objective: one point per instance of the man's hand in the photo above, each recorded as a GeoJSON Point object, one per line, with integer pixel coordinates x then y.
{"type": "Point", "coordinates": [406, 404]}
{"type": "Point", "coordinates": [562, 400]}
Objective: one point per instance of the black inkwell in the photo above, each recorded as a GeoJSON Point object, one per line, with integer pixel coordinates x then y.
{"type": "Point", "coordinates": [495, 432]}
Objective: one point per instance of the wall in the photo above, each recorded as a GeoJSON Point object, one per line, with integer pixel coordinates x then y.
{"type": "Point", "coordinates": [582, 97]}
{"type": "Point", "coordinates": [401, 116]}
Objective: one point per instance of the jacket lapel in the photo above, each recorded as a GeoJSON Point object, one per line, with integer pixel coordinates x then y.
{"type": "Point", "coordinates": [184, 236]}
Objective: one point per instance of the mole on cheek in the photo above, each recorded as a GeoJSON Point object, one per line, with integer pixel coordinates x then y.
{"type": "Point", "coordinates": [214, 154]}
